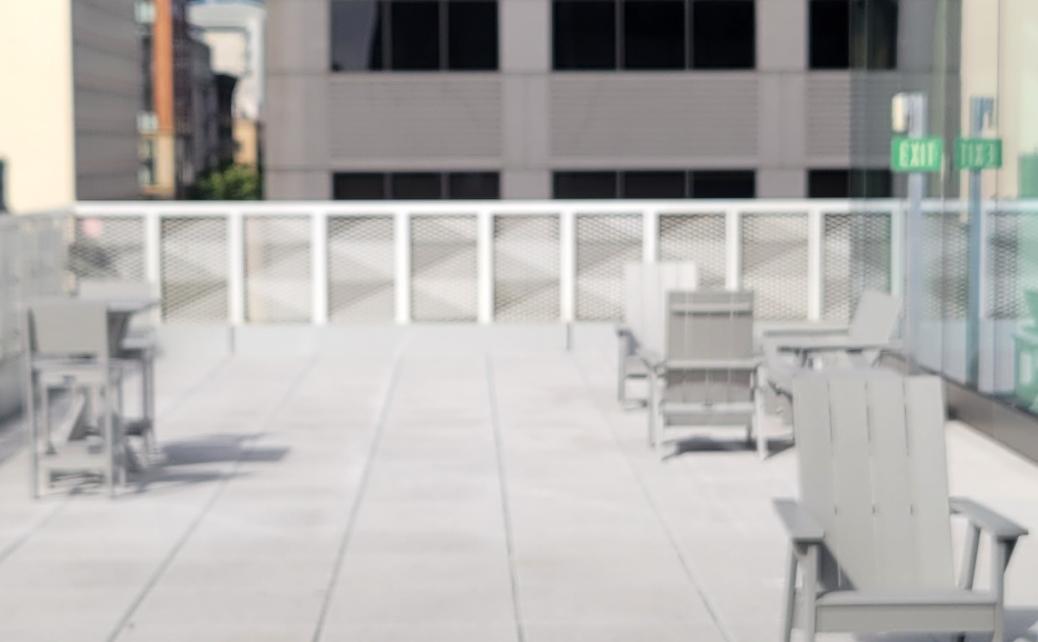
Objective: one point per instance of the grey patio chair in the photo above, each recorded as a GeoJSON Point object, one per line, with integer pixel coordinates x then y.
{"type": "Point", "coordinates": [872, 330]}
{"type": "Point", "coordinates": [66, 343]}
{"type": "Point", "coordinates": [645, 285]}
{"type": "Point", "coordinates": [706, 374]}
{"type": "Point", "coordinates": [871, 534]}
{"type": "Point", "coordinates": [138, 345]}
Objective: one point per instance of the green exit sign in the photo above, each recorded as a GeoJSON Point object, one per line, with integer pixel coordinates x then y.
{"type": "Point", "coordinates": [916, 154]}
{"type": "Point", "coordinates": [978, 153]}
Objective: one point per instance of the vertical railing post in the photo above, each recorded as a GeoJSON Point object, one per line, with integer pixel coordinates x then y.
{"type": "Point", "coordinates": [897, 249]}
{"type": "Point", "coordinates": [815, 218]}
{"type": "Point", "coordinates": [485, 262]}
{"type": "Point", "coordinates": [319, 266]}
{"type": "Point", "coordinates": [402, 266]}
{"type": "Point", "coordinates": [733, 249]}
{"type": "Point", "coordinates": [153, 255]}
{"type": "Point", "coordinates": [567, 266]}
{"type": "Point", "coordinates": [650, 236]}
{"type": "Point", "coordinates": [236, 267]}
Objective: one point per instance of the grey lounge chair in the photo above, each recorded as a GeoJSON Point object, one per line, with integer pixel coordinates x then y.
{"type": "Point", "coordinates": [138, 345]}
{"type": "Point", "coordinates": [871, 534]}
{"type": "Point", "coordinates": [872, 330]}
{"type": "Point", "coordinates": [645, 285]}
{"type": "Point", "coordinates": [67, 345]}
{"type": "Point", "coordinates": [706, 374]}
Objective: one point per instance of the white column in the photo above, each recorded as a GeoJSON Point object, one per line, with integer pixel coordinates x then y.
{"type": "Point", "coordinates": [319, 266]}
{"type": "Point", "coordinates": [402, 266]}
{"type": "Point", "coordinates": [650, 236]}
{"type": "Point", "coordinates": [815, 219]}
{"type": "Point", "coordinates": [485, 262]}
{"type": "Point", "coordinates": [236, 267]}
{"type": "Point", "coordinates": [153, 256]}
{"type": "Point", "coordinates": [733, 249]}
{"type": "Point", "coordinates": [567, 266]}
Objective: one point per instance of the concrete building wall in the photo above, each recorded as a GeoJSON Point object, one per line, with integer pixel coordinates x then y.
{"type": "Point", "coordinates": [36, 118]}
{"type": "Point", "coordinates": [525, 121]}
{"type": "Point", "coordinates": [107, 89]}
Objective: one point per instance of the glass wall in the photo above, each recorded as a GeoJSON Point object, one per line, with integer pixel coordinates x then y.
{"type": "Point", "coordinates": [965, 75]}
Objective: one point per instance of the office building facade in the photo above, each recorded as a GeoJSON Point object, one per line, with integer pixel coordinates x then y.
{"type": "Point", "coordinates": [576, 98]}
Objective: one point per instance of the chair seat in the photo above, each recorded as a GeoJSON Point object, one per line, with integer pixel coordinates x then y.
{"type": "Point", "coordinates": [951, 610]}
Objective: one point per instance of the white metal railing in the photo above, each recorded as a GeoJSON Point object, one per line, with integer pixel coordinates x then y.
{"type": "Point", "coordinates": [461, 260]}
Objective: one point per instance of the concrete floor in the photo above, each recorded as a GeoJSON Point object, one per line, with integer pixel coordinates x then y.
{"type": "Point", "coordinates": [406, 492]}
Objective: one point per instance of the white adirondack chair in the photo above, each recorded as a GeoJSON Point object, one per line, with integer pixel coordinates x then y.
{"type": "Point", "coordinates": [871, 534]}
{"type": "Point", "coordinates": [872, 330]}
{"type": "Point", "coordinates": [645, 287]}
{"type": "Point", "coordinates": [706, 372]}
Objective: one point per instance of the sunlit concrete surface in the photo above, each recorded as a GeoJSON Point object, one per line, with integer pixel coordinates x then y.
{"type": "Point", "coordinates": [428, 486]}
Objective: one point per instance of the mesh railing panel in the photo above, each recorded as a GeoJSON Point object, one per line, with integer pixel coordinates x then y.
{"type": "Point", "coordinates": [194, 263]}
{"type": "Point", "coordinates": [855, 257]}
{"type": "Point", "coordinates": [526, 268]}
{"type": "Point", "coordinates": [443, 268]}
{"type": "Point", "coordinates": [360, 268]}
{"type": "Point", "coordinates": [108, 248]}
{"type": "Point", "coordinates": [605, 243]}
{"type": "Point", "coordinates": [277, 269]}
{"type": "Point", "coordinates": [1012, 263]}
{"type": "Point", "coordinates": [699, 238]}
{"type": "Point", "coordinates": [945, 262]}
{"type": "Point", "coordinates": [774, 264]}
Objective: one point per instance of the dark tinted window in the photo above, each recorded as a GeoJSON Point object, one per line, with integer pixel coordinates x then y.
{"type": "Point", "coordinates": [654, 34]}
{"type": "Point", "coordinates": [584, 34]}
{"type": "Point", "coordinates": [473, 185]}
{"type": "Point", "coordinates": [585, 184]}
{"type": "Point", "coordinates": [873, 27]}
{"type": "Point", "coordinates": [723, 34]}
{"type": "Point", "coordinates": [723, 184]}
{"type": "Point", "coordinates": [856, 183]}
{"type": "Point", "coordinates": [356, 35]}
{"type": "Point", "coordinates": [415, 35]}
{"type": "Point", "coordinates": [359, 186]}
{"type": "Point", "coordinates": [829, 42]}
{"type": "Point", "coordinates": [653, 184]}
{"type": "Point", "coordinates": [416, 185]}
{"type": "Point", "coordinates": [472, 35]}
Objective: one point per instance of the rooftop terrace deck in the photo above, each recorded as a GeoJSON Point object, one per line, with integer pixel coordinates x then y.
{"type": "Point", "coordinates": [426, 486]}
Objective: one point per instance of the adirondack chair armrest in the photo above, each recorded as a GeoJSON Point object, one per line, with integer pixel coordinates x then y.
{"type": "Point", "coordinates": [814, 331]}
{"type": "Point", "coordinates": [1002, 528]}
{"type": "Point", "coordinates": [750, 364]}
{"type": "Point", "coordinates": [839, 344]}
{"type": "Point", "coordinates": [801, 527]}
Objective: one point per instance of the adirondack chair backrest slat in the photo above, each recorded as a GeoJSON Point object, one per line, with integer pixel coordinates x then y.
{"type": "Point", "coordinates": [645, 287]}
{"type": "Point", "coordinates": [713, 326]}
{"type": "Point", "coordinates": [873, 473]}
{"type": "Point", "coordinates": [876, 317]}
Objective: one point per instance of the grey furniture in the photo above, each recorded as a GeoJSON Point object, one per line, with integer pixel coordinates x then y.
{"type": "Point", "coordinates": [645, 287]}
{"type": "Point", "coordinates": [132, 342]}
{"type": "Point", "coordinates": [67, 345]}
{"type": "Point", "coordinates": [872, 330]}
{"type": "Point", "coordinates": [871, 534]}
{"type": "Point", "coordinates": [706, 374]}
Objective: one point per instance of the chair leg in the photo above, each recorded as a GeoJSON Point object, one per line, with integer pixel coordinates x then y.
{"type": "Point", "coordinates": [45, 417]}
{"type": "Point", "coordinates": [109, 439]}
{"type": "Point", "coordinates": [809, 593]}
{"type": "Point", "coordinates": [790, 606]}
{"type": "Point", "coordinates": [31, 432]}
{"type": "Point", "coordinates": [758, 424]}
{"type": "Point", "coordinates": [148, 380]}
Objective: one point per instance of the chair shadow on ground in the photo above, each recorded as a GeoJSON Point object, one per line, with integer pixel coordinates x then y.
{"type": "Point", "coordinates": [198, 461]}
{"type": "Point", "coordinates": [699, 443]}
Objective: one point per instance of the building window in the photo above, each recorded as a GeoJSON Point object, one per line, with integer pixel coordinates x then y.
{"type": "Point", "coordinates": [653, 34]}
{"type": "Point", "coordinates": [847, 183]}
{"type": "Point", "coordinates": [859, 34]}
{"type": "Point", "coordinates": [374, 186]}
{"type": "Point", "coordinates": [414, 35]}
{"type": "Point", "coordinates": [723, 35]}
{"type": "Point", "coordinates": [650, 184]}
{"type": "Point", "coordinates": [584, 34]}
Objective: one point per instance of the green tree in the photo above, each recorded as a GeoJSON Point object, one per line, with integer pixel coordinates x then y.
{"type": "Point", "coordinates": [232, 183]}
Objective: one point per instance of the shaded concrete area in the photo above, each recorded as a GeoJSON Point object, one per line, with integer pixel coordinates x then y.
{"type": "Point", "coordinates": [417, 489]}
